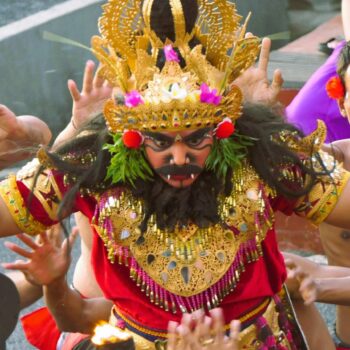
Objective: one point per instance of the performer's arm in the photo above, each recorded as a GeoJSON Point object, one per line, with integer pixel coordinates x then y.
{"type": "Point", "coordinates": [72, 313]}
{"type": "Point", "coordinates": [315, 282]}
{"type": "Point", "coordinates": [340, 215]}
{"type": "Point", "coordinates": [346, 18]}
{"type": "Point", "coordinates": [8, 225]}
{"type": "Point", "coordinates": [334, 290]}
{"type": "Point", "coordinates": [47, 265]}
{"type": "Point", "coordinates": [18, 134]}
{"type": "Point", "coordinates": [316, 270]}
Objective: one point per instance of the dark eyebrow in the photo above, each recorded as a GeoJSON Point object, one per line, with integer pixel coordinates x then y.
{"type": "Point", "coordinates": [196, 134]}
{"type": "Point", "coordinates": [160, 137]}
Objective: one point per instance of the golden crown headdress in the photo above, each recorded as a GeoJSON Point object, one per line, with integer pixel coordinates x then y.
{"type": "Point", "coordinates": [172, 98]}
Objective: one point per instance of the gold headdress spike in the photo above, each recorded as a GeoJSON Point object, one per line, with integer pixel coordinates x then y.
{"type": "Point", "coordinates": [307, 145]}
{"type": "Point", "coordinates": [173, 98]}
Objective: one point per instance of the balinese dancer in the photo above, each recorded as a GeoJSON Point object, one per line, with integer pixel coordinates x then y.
{"type": "Point", "coordinates": [182, 185]}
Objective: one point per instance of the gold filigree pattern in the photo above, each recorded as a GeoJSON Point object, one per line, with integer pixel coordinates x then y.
{"type": "Point", "coordinates": [322, 198]}
{"type": "Point", "coordinates": [307, 145]}
{"type": "Point", "coordinates": [15, 203]}
{"type": "Point", "coordinates": [190, 260]}
{"type": "Point", "coordinates": [174, 115]}
{"type": "Point", "coordinates": [129, 63]}
{"type": "Point", "coordinates": [46, 189]}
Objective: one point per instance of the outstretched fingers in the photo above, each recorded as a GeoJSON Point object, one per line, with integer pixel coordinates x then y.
{"type": "Point", "coordinates": [68, 243]}
{"type": "Point", "coordinates": [277, 82]}
{"type": "Point", "coordinates": [18, 265]}
{"type": "Point", "coordinates": [88, 82]}
{"type": "Point", "coordinates": [235, 327]}
{"type": "Point", "coordinates": [264, 54]}
{"type": "Point", "coordinates": [172, 335]}
{"type": "Point", "coordinates": [98, 80]}
{"type": "Point", "coordinates": [28, 241]}
{"type": "Point", "coordinates": [17, 249]}
{"type": "Point", "coordinates": [73, 90]}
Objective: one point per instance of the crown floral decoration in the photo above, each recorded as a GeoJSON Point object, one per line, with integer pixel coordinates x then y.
{"type": "Point", "coordinates": [335, 88]}
{"type": "Point", "coordinates": [177, 97]}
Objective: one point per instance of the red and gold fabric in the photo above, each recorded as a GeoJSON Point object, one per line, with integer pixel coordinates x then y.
{"type": "Point", "coordinates": [115, 258]}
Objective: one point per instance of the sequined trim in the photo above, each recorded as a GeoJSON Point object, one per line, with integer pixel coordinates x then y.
{"type": "Point", "coordinates": [192, 267]}
{"type": "Point", "coordinates": [15, 203]}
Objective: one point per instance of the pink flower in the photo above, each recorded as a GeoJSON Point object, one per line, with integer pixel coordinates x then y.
{"type": "Point", "coordinates": [170, 54]}
{"type": "Point", "coordinates": [209, 96]}
{"type": "Point", "coordinates": [133, 99]}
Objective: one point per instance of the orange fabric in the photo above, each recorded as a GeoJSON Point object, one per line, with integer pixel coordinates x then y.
{"type": "Point", "coordinates": [40, 329]}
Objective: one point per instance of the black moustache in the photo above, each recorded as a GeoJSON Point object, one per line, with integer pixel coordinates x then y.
{"type": "Point", "coordinates": [179, 170]}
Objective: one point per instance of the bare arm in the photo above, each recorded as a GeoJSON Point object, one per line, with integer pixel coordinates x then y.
{"type": "Point", "coordinates": [316, 270]}
{"type": "Point", "coordinates": [47, 265]}
{"type": "Point", "coordinates": [73, 313]}
{"type": "Point", "coordinates": [334, 290]}
{"type": "Point", "coordinates": [346, 18]}
{"type": "Point", "coordinates": [340, 214]}
{"type": "Point", "coordinates": [8, 226]}
{"type": "Point", "coordinates": [18, 135]}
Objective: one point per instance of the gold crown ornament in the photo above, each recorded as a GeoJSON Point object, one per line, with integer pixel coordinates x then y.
{"type": "Point", "coordinates": [192, 89]}
{"type": "Point", "coordinates": [199, 94]}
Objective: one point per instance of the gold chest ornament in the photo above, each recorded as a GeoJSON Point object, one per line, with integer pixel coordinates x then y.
{"type": "Point", "coordinates": [189, 268]}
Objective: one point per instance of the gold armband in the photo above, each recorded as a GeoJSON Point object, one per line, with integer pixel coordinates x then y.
{"type": "Point", "coordinates": [324, 195]}
{"type": "Point", "coordinates": [15, 203]}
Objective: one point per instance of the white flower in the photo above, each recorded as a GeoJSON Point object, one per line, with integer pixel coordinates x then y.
{"type": "Point", "coordinates": [175, 93]}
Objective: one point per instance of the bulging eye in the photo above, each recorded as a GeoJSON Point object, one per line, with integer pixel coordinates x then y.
{"type": "Point", "coordinates": [195, 141]}
{"type": "Point", "coordinates": [161, 143]}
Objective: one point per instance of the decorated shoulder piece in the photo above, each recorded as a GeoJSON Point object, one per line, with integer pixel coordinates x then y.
{"type": "Point", "coordinates": [324, 195]}
{"type": "Point", "coordinates": [46, 192]}
{"type": "Point", "coordinates": [193, 89]}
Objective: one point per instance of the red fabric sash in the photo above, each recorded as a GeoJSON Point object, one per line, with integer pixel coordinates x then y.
{"type": "Point", "coordinates": [40, 329]}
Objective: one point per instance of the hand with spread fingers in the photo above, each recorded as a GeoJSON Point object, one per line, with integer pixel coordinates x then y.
{"type": "Point", "coordinates": [254, 82]}
{"type": "Point", "coordinates": [46, 261]}
{"type": "Point", "coordinates": [20, 136]}
{"type": "Point", "coordinates": [200, 332]}
{"type": "Point", "coordinates": [88, 102]}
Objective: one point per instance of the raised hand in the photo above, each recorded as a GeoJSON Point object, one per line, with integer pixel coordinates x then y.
{"type": "Point", "coordinates": [18, 135]}
{"type": "Point", "coordinates": [46, 261]}
{"type": "Point", "coordinates": [254, 82]}
{"type": "Point", "coordinates": [88, 102]}
{"type": "Point", "coordinates": [199, 332]}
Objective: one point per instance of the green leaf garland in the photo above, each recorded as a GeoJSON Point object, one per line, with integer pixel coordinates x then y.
{"type": "Point", "coordinates": [126, 164]}
{"type": "Point", "coordinates": [228, 153]}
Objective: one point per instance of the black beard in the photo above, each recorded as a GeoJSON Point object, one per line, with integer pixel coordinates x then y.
{"type": "Point", "coordinates": [172, 206]}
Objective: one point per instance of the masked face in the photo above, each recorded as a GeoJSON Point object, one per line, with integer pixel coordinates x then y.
{"type": "Point", "coordinates": [179, 157]}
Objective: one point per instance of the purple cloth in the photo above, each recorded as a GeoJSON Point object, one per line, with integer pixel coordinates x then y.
{"type": "Point", "coordinates": [312, 103]}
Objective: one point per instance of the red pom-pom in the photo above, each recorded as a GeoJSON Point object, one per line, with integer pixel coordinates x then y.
{"type": "Point", "coordinates": [132, 138]}
{"type": "Point", "coordinates": [335, 88]}
{"type": "Point", "coordinates": [225, 129]}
